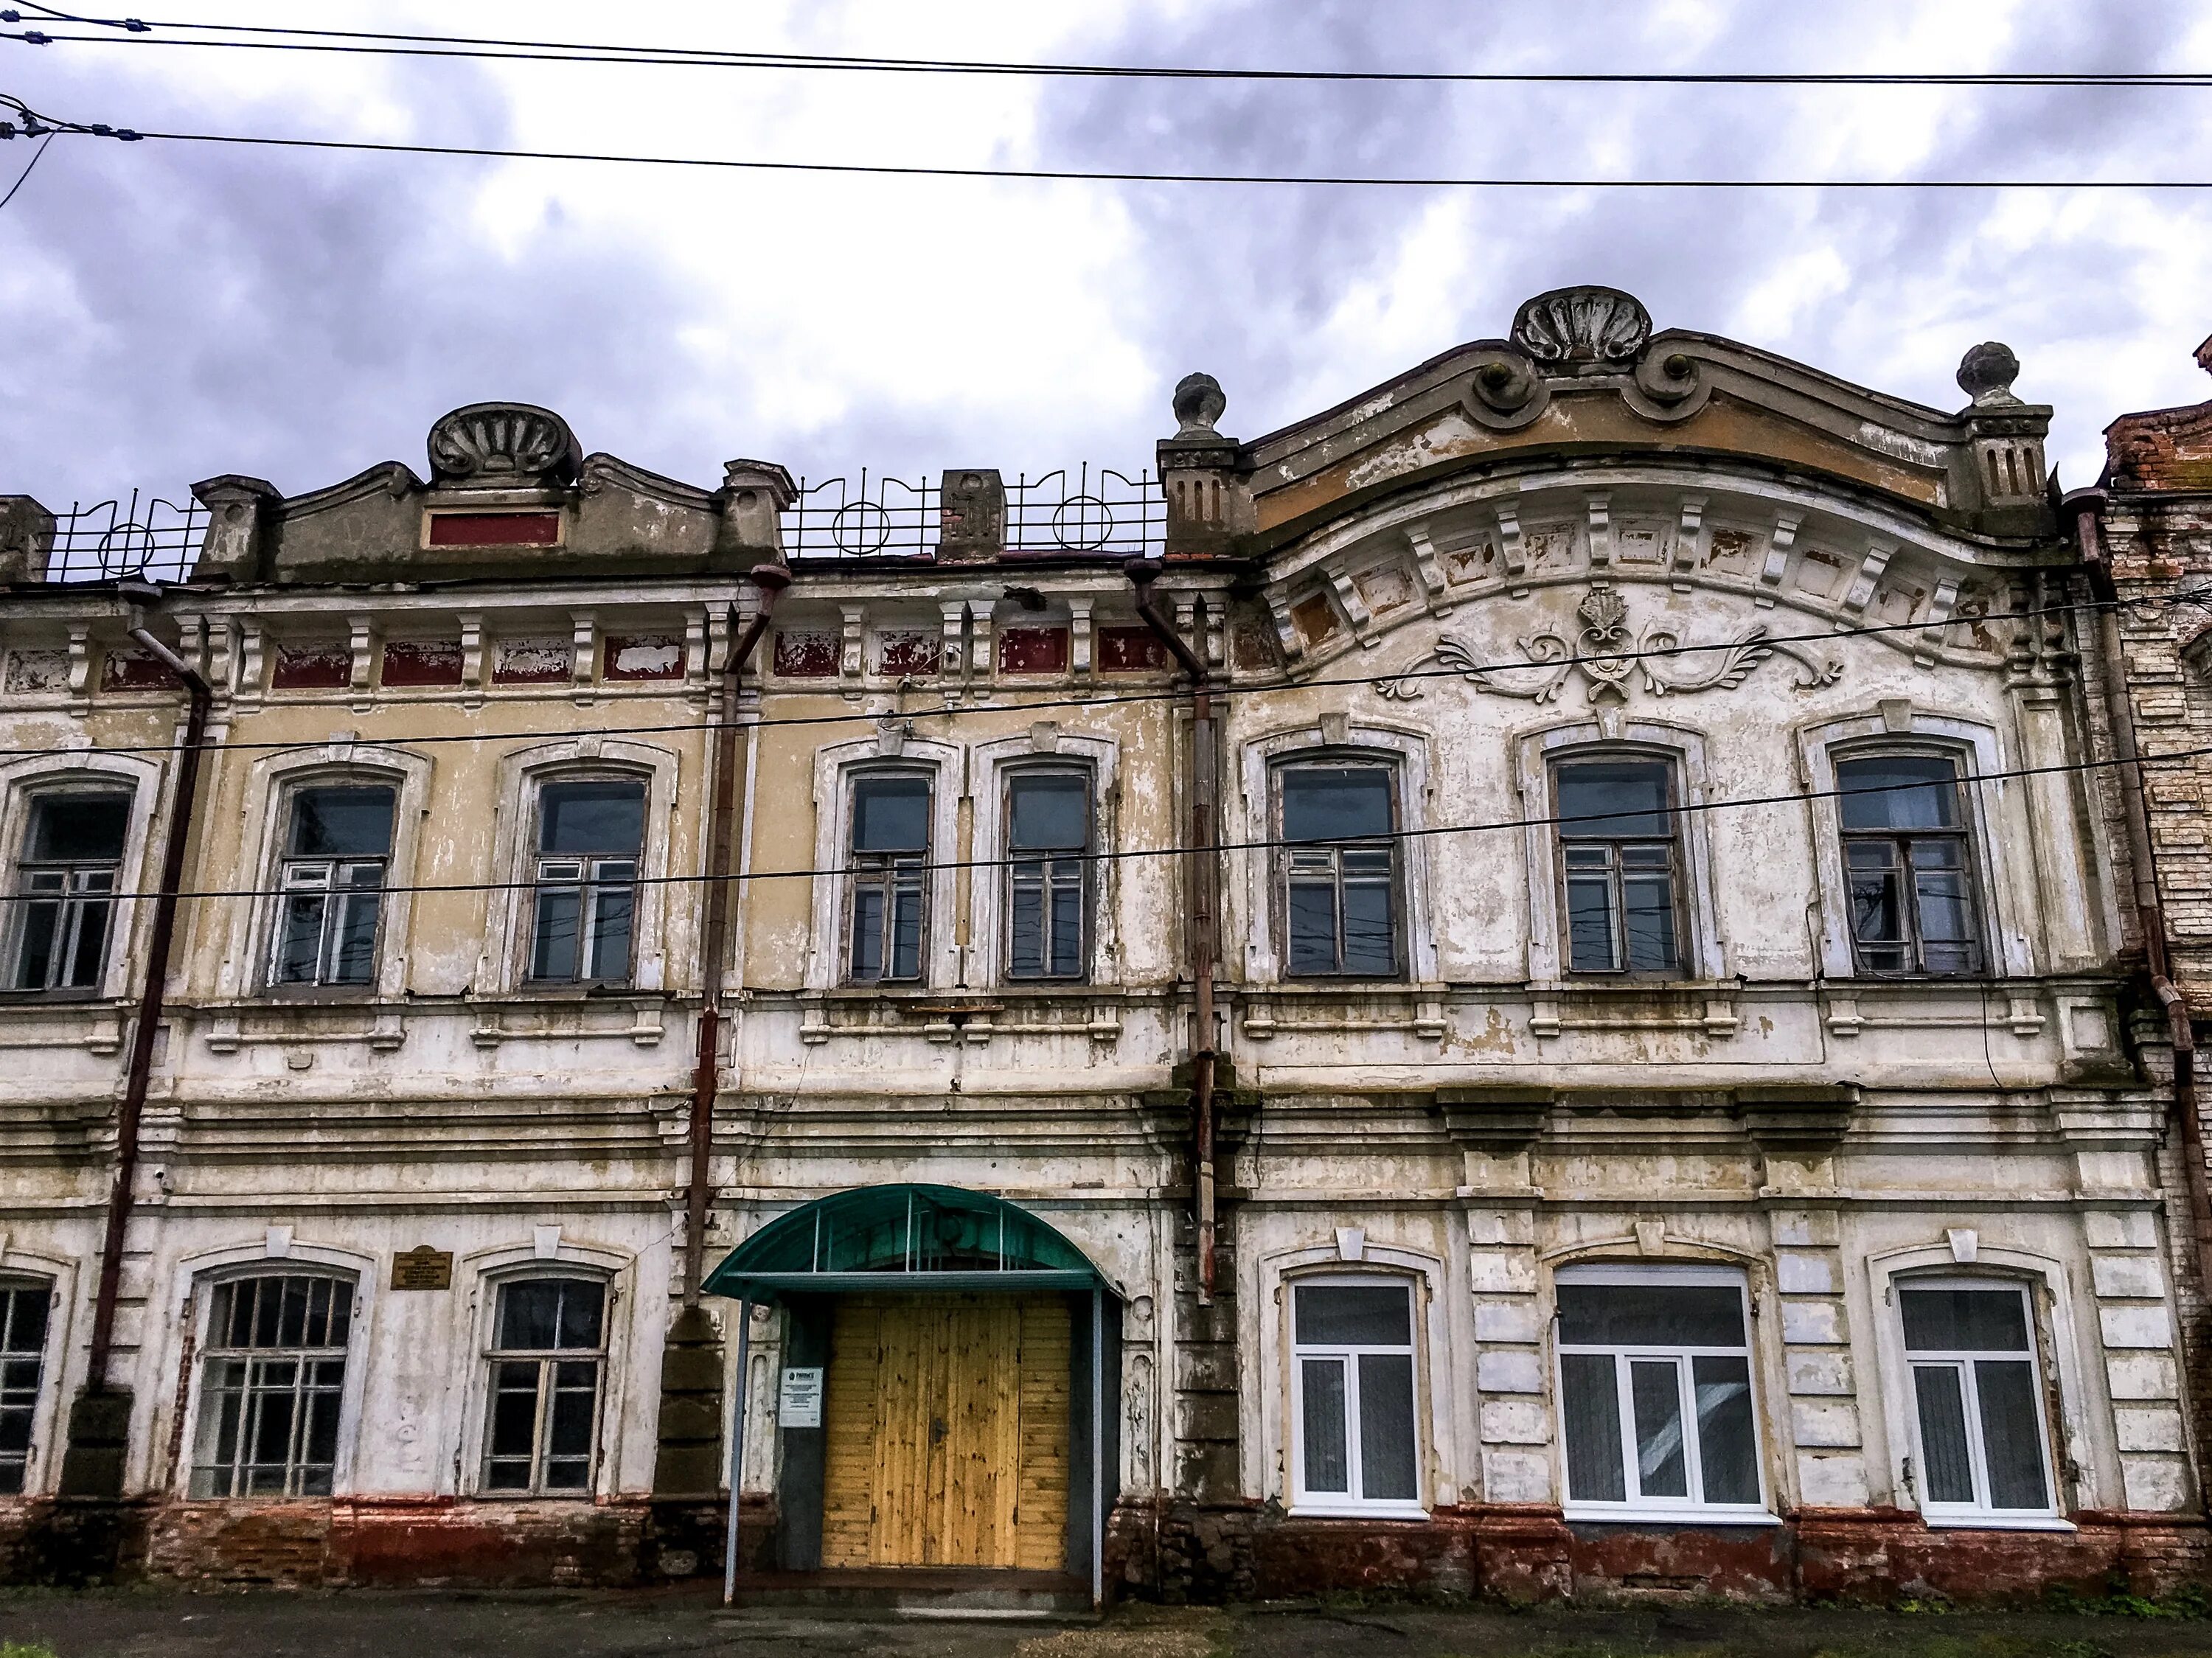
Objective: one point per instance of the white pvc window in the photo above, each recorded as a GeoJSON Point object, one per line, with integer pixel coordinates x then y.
{"type": "Point", "coordinates": [1353, 1428]}
{"type": "Point", "coordinates": [1978, 1400]}
{"type": "Point", "coordinates": [1655, 1402]}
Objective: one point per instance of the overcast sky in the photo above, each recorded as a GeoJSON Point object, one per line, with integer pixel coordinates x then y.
{"type": "Point", "coordinates": [169, 311]}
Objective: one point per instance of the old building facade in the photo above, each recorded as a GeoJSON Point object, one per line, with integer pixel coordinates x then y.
{"type": "Point", "coordinates": [1532, 985]}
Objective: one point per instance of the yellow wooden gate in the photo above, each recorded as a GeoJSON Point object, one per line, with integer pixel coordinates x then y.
{"type": "Point", "coordinates": [946, 1432]}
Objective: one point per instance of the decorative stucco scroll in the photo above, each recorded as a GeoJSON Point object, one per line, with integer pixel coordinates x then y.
{"type": "Point", "coordinates": [1661, 659]}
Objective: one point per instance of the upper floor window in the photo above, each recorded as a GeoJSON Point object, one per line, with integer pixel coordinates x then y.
{"type": "Point", "coordinates": [1048, 900]}
{"type": "Point", "coordinates": [337, 846]}
{"type": "Point", "coordinates": [1340, 896]}
{"type": "Point", "coordinates": [549, 1348]}
{"type": "Point", "coordinates": [887, 881]}
{"type": "Point", "coordinates": [1904, 847]}
{"type": "Point", "coordinates": [590, 836]}
{"type": "Point", "coordinates": [273, 1376]}
{"type": "Point", "coordinates": [1655, 1389]}
{"type": "Point", "coordinates": [22, 1354]}
{"type": "Point", "coordinates": [1351, 1393]}
{"type": "Point", "coordinates": [1622, 857]}
{"type": "Point", "coordinates": [65, 890]}
{"type": "Point", "coordinates": [1977, 1398]}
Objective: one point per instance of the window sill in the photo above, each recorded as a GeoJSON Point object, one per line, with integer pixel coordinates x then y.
{"type": "Point", "coordinates": [1312, 1511]}
{"type": "Point", "coordinates": [1997, 1522]}
{"type": "Point", "coordinates": [1589, 1514]}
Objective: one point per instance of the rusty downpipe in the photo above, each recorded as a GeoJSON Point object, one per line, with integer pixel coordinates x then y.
{"type": "Point", "coordinates": [159, 939]}
{"type": "Point", "coordinates": [714, 932]}
{"type": "Point", "coordinates": [2150, 910]}
{"type": "Point", "coordinates": [1198, 889]}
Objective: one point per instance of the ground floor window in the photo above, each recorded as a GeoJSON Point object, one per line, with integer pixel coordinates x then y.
{"type": "Point", "coordinates": [1352, 1393]}
{"type": "Point", "coordinates": [270, 1386]}
{"type": "Point", "coordinates": [1978, 1406]}
{"type": "Point", "coordinates": [549, 1347]}
{"type": "Point", "coordinates": [1655, 1390]}
{"type": "Point", "coordinates": [22, 1352]}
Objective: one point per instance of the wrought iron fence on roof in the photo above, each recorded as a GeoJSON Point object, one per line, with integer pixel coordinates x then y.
{"type": "Point", "coordinates": [1087, 510]}
{"type": "Point", "coordinates": [148, 535]}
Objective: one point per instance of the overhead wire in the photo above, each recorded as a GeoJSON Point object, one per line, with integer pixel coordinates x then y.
{"type": "Point", "coordinates": [1473, 673]}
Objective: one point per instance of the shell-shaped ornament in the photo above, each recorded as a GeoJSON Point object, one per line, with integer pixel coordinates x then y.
{"type": "Point", "coordinates": [1582, 325]}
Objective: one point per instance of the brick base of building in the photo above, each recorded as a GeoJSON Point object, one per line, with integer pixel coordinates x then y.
{"type": "Point", "coordinates": [1178, 1552]}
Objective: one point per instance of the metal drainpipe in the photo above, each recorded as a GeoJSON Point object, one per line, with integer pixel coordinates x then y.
{"type": "Point", "coordinates": [771, 579]}
{"type": "Point", "coordinates": [2150, 911]}
{"type": "Point", "coordinates": [150, 997]}
{"type": "Point", "coordinates": [1198, 886]}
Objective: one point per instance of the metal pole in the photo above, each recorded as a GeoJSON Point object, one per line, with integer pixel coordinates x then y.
{"type": "Point", "coordinates": [1097, 1446]}
{"type": "Point", "coordinates": [738, 1449]}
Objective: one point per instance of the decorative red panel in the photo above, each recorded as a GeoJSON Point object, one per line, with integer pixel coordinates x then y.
{"type": "Point", "coordinates": [910, 655]}
{"type": "Point", "coordinates": [1033, 650]}
{"type": "Point", "coordinates": [1130, 650]}
{"type": "Point", "coordinates": [643, 656]}
{"type": "Point", "coordinates": [311, 667]}
{"type": "Point", "coordinates": [422, 662]}
{"type": "Point", "coordinates": [495, 528]}
{"type": "Point", "coordinates": [133, 671]}
{"type": "Point", "coordinates": [807, 656]}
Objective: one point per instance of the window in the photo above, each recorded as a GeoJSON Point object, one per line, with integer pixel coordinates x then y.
{"type": "Point", "coordinates": [887, 891]}
{"type": "Point", "coordinates": [22, 1349]}
{"type": "Point", "coordinates": [1977, 1398]}
{"type": "Point", "coordinates": [1655, 1390]}
{"type": "Point", "coordinates": [549, 1346]}
{"type": "Point", "coordinates": [269, 1392]}
{"type": "Point", "coordinates": [1049, 820]}
{"type": "Point", "coordinates": [1905, 848]}
{"type": "Point", "coordinates": [335, 849]}
{"type": "Point", "coordinates": [1620, 851]}
{"type": "Point", "coordinates": [1352, 1393]}
{"type": "Point", "coordinates": [65, 888]}
{"type": "Point", "coordinates": [589, 838]}
{"type": "Point", "coordinates": [1339, 870]}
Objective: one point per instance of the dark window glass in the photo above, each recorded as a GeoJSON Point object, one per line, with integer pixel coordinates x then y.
{"type": "Point", "coordinates": [543, 1418]}
{"type": "Point", "coordinates": [888, 879]}
{"type": "Point", "coordinates": [1650, 1315]}
{"type": "Point", "coordinates": [1905, 857]}
{"type": "Point", "coordinates": [1354, 1315]}
{"type": "Point", "coordinates": [23, 1356]}
{"type": "Point", "coordinates": [1386, 1428]}
{"type": "Point", "coordinates": [1047, 897]}
{"type": "Point", "coordinates": [1340, 901]}
{"type": "Point", "coordinates": [1328, 1446]}
{"type": "Point", "coordinates": [339, 846]}
{"type": "Point", "coordinates": [1590, 1393]}
{"type": "Point", "coordinates": [273, 1377]}
{"type": "Point", "coordinates": [1950, 1321]}
{"type": "Point", "coordinates": [1620, 851]}
{"type": "Point", "coordinates": [65, 890]}
{"type": "Point", "coordinates": [590, 835]}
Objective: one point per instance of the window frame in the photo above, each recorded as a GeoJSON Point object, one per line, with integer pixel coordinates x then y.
{"type": "Point", "coordinates": [1965, 834]}
{"type": "Point", "coordinates": [1977, 1512]}
{"type": "Point", "coordinates": [15, 1282]}
{"type": "Point", "coordinates": [491, 1356]}
{"type": "Point", "coordinates": [1282, 860]}
{"type": "Point", "coordinates": [1008, 778]}
{"type": "Point", "coordinates": [335, 894]}
{"type": "Point", "coordinates": [837, 766]}
{"type": "Point", "coordinates": [1350, 1503]}
{"type": "Point", "coordinates": [587, 883]}
{"type": "Point", "coordinates": [1638, 1508]}
{"type": "Point", "coordinates": [32, 779]}
{"type": "Point", "coordinates": [70, 899]}
{"type": "Point", "coordinates": [1565, 877]}
{"type": "Point", "coordinates": [205, 1354]}
{"type": "Point", "coordinates": [887, 877]}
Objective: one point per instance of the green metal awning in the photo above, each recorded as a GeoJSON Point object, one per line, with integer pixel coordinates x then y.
{"type": "Point", "coordinates": [917, 1237]}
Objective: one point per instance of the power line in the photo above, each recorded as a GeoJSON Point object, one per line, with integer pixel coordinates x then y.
{"type": "Point", "coordinates": [36, 156]}
{"type": "Point", "coordinates": [949, 710]}
{"type": "Point", "coordinates": [1262, 844]}
{"type": "Point", "coordinates": [37, 123]}
{"type": "Point", "coordinates": [376, 42]}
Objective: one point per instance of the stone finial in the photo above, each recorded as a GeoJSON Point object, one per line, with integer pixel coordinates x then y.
{"type": "Point", "coordinates": [1601, 325]}
{"type": "Point", "coordinates": [2204, 355]}
{"type": "Point", "coordinates": [1986, 374]}
{"type": "Point", "coordinates": [26, 537]}
{"type": "Point", "coordinates": [1199, 403]}
{"type": "Point", "coordinates": [504, 443]}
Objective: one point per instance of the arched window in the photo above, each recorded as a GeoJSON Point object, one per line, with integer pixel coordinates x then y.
{"type": "Point", "coordinates": [1050, 823]}
{"type": "Point", "coordinates": [590, 837]}
{"type": "Point", "coordinates": [1909, 863]}
{"type": "Point", "coordinates": [271, 1378]}
{"type": "Point", "coordinates": [546, 1370]}
{"type": "Point", "coordinates": [887, 880]}
{"type": "Point", "coordinates": [1620, 857]}
{"type": "Point", "coordinates": [337, 855]}
{"type": "Point", "coordinates": [66, 872]}
{"type": "Point", "coordinates": [1338, 891]}
{"type": "Point", "coordinates": [23, 1304]}
{"type": "Point", "coordinates": [1978, 1413]}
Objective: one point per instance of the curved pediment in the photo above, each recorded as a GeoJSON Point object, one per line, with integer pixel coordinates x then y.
{"type": "Point", "coordinates": [1582, 372]}
{"type": "Point", "coordinates": [1802, 560]}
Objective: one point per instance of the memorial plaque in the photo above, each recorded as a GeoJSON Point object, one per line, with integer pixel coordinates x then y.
{"type": "Point", "coordinates": [422, 1268]}
{"type": "Point", "coordinates": [801, 1403]}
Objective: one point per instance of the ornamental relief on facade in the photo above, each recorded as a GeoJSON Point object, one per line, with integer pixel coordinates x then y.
{"type": "Point", "coordinates": [1609, 657]}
